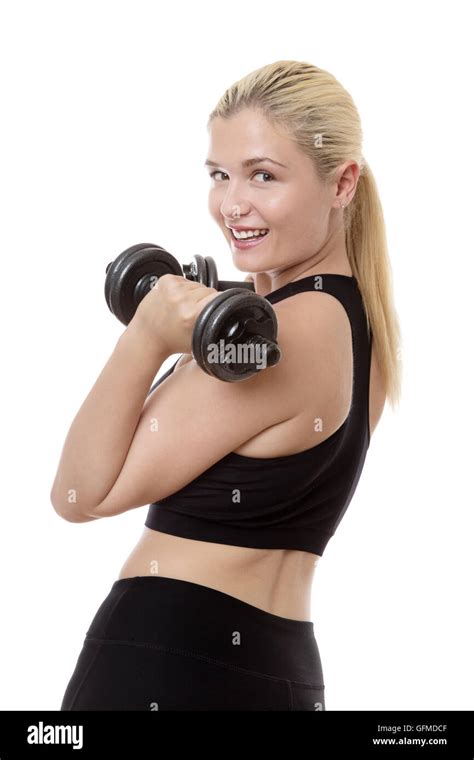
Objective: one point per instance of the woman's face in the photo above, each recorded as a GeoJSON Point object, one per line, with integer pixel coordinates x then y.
{"type": "Point", "coordinates": [286, 198]}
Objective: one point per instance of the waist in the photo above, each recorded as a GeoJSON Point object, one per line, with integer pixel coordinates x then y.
{"type": "Point", "coordinates": [278, 581]}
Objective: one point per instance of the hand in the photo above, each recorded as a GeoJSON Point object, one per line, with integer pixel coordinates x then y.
{"type": "Point", "coordinates": [169, 311]}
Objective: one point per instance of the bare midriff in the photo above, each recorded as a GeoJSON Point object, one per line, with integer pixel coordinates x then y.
{"type": "Point", "coordinates": [276, 580]}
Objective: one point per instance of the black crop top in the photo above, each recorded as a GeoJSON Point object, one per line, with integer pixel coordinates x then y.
{"type": "Point", "coordinates": [285, 502]}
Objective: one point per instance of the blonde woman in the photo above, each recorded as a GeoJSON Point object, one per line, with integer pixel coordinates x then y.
{"type": "Point", "coordinates": [246, 482]}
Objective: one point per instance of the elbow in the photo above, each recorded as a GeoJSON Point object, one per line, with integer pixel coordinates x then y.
{"type": "Point", "coordinates": [67, 511]}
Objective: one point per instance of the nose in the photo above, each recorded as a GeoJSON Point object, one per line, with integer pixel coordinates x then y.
{"type": "Point", "coordinates": [234, 205]}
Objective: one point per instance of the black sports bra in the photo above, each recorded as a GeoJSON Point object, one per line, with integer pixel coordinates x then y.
{"type": "Point", "coordinates": [285, 502]}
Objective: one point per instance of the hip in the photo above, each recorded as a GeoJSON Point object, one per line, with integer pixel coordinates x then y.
{"type": "Point", "coordinates": [179, 645]}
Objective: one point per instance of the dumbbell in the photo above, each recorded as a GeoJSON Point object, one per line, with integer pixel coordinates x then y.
{"type": "Point", "coordinates": [233, 331]}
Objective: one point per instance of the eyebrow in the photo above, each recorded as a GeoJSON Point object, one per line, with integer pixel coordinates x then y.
{"type": "Point", "coordinates": [248, 162]}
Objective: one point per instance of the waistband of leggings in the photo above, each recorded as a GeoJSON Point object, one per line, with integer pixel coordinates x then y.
{"type": "Point", "coordinates": [188, 617]}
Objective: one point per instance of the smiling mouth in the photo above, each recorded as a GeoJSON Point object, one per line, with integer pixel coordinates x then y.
{"type": "Point", "coordinates": [248, 234]}
{"type": "Point", "coordinates": [244, 244]}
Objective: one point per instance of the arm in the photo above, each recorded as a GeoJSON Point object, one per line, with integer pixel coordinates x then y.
{"type": "Point", "coordinates": [99, 438]}
{"type": "Point", "coordinates": [193, 420]}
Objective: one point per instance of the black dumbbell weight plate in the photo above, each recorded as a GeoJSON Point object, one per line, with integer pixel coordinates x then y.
{"type": "Point", "coordinates": [131, 275]}
{"type": "Point", "coordinates": [232, 315]}
{"type": "Point", "coordinates": [212, 277]}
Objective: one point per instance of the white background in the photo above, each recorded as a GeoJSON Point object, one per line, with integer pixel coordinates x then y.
{"type": "Point", "coordinates": [103, 139]}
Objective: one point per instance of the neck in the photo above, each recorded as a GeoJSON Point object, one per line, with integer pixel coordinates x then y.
{"type": "Point", "coordinates": [331, 259]}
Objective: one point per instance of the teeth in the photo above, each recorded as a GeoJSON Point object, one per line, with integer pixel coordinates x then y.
{"type": "Point", "coordinates": [243, 234]}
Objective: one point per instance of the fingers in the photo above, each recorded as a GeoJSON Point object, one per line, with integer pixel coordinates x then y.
{"type": "Point", "coordinates": [178, 288]}
{"type": "Point", "coordinates": [203, 293]}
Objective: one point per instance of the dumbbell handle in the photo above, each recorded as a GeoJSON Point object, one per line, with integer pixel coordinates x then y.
{"type": "Point", "coordinates": [227, 285]}
{"type": "Point", "coordinates": [223, 284]}
{"type": "Point", "coordinates": [190, 271]}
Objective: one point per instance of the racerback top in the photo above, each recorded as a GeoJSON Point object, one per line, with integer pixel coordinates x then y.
{"type": "Point", "coordinates": [285, 502]}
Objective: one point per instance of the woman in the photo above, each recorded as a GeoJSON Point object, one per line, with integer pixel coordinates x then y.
{"type": "Point", "coordinates": [246, 481]}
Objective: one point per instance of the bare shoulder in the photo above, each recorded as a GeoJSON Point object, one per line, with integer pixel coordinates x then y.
{"type": "Point", "coordinates": [319, 330]}
{"type": "Point", "coordinates": [325, 358]}
{"type": "Point", "coordinates": [318, 326]}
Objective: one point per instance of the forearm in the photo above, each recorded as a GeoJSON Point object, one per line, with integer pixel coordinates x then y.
{"type": "Point", "coordinates": [100, 435]}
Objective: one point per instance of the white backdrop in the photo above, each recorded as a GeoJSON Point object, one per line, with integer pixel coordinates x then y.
{"type": "Point", "coordinates": [103, 139]}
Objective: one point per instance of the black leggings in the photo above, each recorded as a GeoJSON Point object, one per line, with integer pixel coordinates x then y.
{"type": "Point", "coordinates": [158, 643]}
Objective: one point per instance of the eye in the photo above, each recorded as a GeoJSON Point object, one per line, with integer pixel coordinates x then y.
{"type": "Point", "coordinates": [266, 174]}
{"type": "Point", "coordinates": [218, 171]}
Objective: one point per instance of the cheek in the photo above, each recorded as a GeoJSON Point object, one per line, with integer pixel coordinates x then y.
{"type": "Point", "coordinates": [303, 213]}
{"type": "Point", "coordinates": [289, 205]}
{"type": "Point", "coordinates": [276, 209]}
{"type": "Point", "coordinates": [299, 224]}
